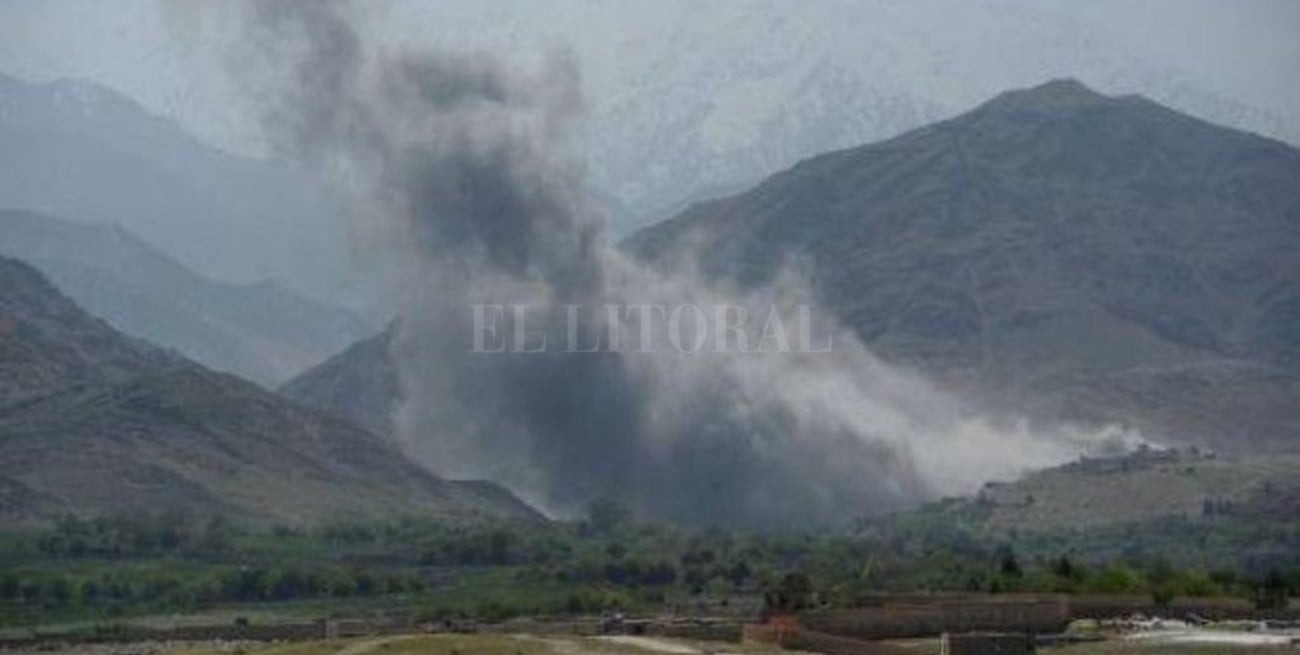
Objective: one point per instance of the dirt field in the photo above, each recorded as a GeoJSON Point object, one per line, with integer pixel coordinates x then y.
{"type": "Point", "coordinates": [443, 644]}
{"type": "Point", "coordinates": [492, 644]}
{"type": "Point", "coordinates": [1151, 648]}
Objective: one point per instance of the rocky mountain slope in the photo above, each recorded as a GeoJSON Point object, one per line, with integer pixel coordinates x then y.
{"type": "Point", "coordinates": [1192, 507]}
{"type": "Point", "coordinates": [359, 383]}
{"type": "Point", "coordinates": [1145, 485]}
{"type": "Point", "coordinates": [688, 101]}
{"type": "Point", "coordinates": [685, 101]}
{"type": "Point", "coordinates": [47, 343]}
{"type": "Point", "coordinates": [262, 332]}
{"type": "Point", "coordinates": [1055, 253]}
{"type": "Point", "coordinates": [1103, 258]}
{"type": "Point", "coordinates": [95, 422]}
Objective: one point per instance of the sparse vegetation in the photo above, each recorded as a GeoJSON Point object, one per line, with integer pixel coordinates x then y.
{"type": "Point", "coordinates": [111, 567]}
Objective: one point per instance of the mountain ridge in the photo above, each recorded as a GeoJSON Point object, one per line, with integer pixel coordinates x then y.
{"type": "Point", "coordinates": [95, 422]}
{"type": "Point", "coordinates": [82, 151]}
{"type": "Point", "coordinates": [1046, 233]}
{"type": "Point", "coordinates": [982, 293]}
{"type": "Point", "coordinates": [260, 330]}
{"type": "Point", "coordinates": [360, 383]}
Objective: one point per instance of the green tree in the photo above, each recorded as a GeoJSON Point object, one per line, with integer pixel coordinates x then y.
{"type": "Point", "coordinates": [607, 515]}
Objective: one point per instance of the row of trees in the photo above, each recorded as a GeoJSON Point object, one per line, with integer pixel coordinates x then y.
{"type": "Point", "coordinates": [181, 589]}
{"type": "Point", "coordinates": [137, 535]}
{"type": "Point", "coordinates": [175, 561]}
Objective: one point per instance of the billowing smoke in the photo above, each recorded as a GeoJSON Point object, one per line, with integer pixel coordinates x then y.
{"type": "Point", "coordinates": [456, 166]}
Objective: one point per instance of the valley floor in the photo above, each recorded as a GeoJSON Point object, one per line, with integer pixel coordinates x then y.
{"type": "Point", "coordinates": [529, 644]}
{"type": "Point", "coordinates": [441, 644]}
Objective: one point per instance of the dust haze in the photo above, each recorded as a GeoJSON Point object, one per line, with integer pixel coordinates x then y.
{"type": "Point", "coordinates": [456, 173]}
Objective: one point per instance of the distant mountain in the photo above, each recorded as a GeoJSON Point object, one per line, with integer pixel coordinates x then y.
{"type": "Point", "coordinates": [1104, 258]}
{"type": "Point", "coordinates": [697, 98]}
{"type": "Point", "coordinates": [81, 151]}
{"type": "Point", "coordinates": [95, 422]}
{"type": "Point", "coordinates": [360, 384]}
{"type": "Point", "coordinates": [1055, 252]}
{"type": "Point", "coordinates": [262, 331]}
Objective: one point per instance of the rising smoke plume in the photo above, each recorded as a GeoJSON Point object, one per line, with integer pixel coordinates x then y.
{"type": "Point", "coordinates": [455, 165]}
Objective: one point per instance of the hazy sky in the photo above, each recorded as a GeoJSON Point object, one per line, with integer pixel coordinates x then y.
{"type": "Point", "coordinates": [1247, 50]}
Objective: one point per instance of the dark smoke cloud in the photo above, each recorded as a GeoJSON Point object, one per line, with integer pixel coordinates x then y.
{"type": "Point", "coordinates": [456, 164]}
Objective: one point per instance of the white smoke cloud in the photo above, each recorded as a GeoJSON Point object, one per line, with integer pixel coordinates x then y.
{"type": "Point", "coordinates": [456, 167]}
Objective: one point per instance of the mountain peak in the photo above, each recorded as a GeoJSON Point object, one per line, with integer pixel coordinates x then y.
{"type": "Point", "coordinates": [1054, 95]}
{"type": "Point", "coordinates": [1055, 203]}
